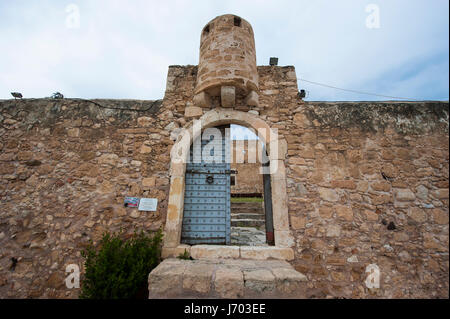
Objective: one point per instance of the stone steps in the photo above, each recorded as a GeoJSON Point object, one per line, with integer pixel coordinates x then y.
{"type": "Point", "coordinates": [254, 208]}
{"type": "Point", "coordinates": [248, 224]}
{"type": "Point", "coordinates": [246, 216]}
{"type": "Point", "coordinates": [247, 210]}
{"type": "Point", "coordinates": [257, 223]}
{"type": "Point", "coordinates": [247, 204]}
{"type": "Point", "coordinates": [226, 278]}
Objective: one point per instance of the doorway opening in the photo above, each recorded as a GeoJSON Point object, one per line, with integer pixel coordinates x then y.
{"type": "Point", "coordinates": [248, 211]}
{"type": "Point", "coordinates": [227, 199]}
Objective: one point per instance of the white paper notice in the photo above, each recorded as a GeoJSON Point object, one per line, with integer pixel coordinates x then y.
{"type": "Point", "coordinates": [148, 204]}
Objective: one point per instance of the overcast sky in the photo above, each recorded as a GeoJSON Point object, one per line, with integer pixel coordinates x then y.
{"type": "Point", "coordinates": [122, 49]}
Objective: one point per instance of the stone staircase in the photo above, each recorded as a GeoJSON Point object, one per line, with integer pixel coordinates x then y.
{"type": "Point", "coordinates": [248, 224]}
{"type": "Point", "coordinates": [248, 215]}
{"type": "Point", "coordinates": [226, 278]}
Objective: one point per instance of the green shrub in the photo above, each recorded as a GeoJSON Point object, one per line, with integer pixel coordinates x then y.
{"type": "Point", "coordinates": [118, 269]}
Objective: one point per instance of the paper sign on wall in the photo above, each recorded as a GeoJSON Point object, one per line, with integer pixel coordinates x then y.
{"type": "Point", "coordinates": [148, 204]}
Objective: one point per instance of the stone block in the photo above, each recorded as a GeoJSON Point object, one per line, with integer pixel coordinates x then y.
{"type": "Point", "coordinates": [202, 99]}
{"type": "Point", "coordinates": [193, 111]}
{"type": "Point", "coordinates": [145, 121]}
{"type": "Point", "coordinates": [417, 214]}
{"type": "Point", "coordinates": [259, 280]}
{"type": "Point", "coordinates": [148, 182]}
{"type": "Point", "coordinates": [197, 277]}
{"type": "Point", "coordinates": [288, 280]}
{"type": "Point", "coordinates": [145, 149]}
{"type": "Point", "coordinates": [441, 193]}
{"type": "Point", "coordinates": [333, 231]}
{"type": "Point", "coordinates": [278, 149]}
{"type": "Point", "coordinates": [264, 253]}
{"type": "Point", "coordinates": [229, 282]}
{"type": "Point", "coordinates": [73, 132]}
{"type": "Point", "coordinates": [404, 195]}
{"type": "Point", "coordinates": [166, 280]}
{"type": "Point", "coordinates": [283, 238]}
{"type": "Point", "coordinates": [252, 99]}
{"type": "Point", "coordinates": [328, 194]}
{"type": "Point", "coordinates": [439, 216]}
{"type": "Point", "coordinates": [279, 205]}
{"type": "Point", "coordinates": [298, 222]}
{"type": "Point", "coordinates": [214, 251]}
{"type": "Point", "coordinates": [108, 159]}
{"type": "Point", "coordinates": [228, 96]}
{"type": "Point", "coordinates": [344, 212]}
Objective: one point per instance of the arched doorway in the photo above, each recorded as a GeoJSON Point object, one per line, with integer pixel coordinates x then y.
{"type": "Point", "coordinates": [276, 149]}
{"type": "Point", "coordinates": [227, 198]}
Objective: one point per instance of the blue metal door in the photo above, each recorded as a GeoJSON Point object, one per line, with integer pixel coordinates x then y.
{"type": "Point", "coordinates": [206, 217]}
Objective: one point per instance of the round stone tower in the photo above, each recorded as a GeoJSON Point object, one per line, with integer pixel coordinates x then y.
{"type": "Point", "coordinates": [227, 66]}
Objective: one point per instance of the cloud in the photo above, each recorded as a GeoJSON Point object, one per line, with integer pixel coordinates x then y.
{"type": "Point", "coordinates": [123, 49]}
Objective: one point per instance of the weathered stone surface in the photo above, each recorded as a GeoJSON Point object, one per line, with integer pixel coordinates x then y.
{"type": "Point", "coordinates": [214, 251]}
{"type": "Point", "coordinates": [202, 99]}
{"type": "Point", "coordinates": [145, 149]}
{"type": "Point", "coordinates": [263, 253]}
{"type": "Point", "coordinates": [417, 214]}
{"type": "Point", "coordinates": [328, 194]}
{"type": "Point", "coordinates": [252, 99]}
{"type": "Point", "coordinates": [73, 132]}
{"type": "Point", "coordinates": [370, 215]}
{"type": "Point", "coordinates": [259, 281]}
{"type": "Point", "coordinates": [404, 195]}
{"type": "Point", "coordinates": [344, 212]}
{"type": "Point", "coordinates": [284, 238]}
{"type": "Point", "coordinates": [441, 193]}
{"type": "Point", "coordinates": [193, 111]}
{"type": "Point", "coordinates": [108, 159]}
{"type": "Point", "coordinates": [333, 231]}
{"type": "Point", "coordinates": [228, 96]}
{"type": "Point", "coordinates": [288, 280]}
{"type": "Point", "coordinates": [439, 216]}
{"type": "Point", "coordinates": [197, 277]}
{"type": "Point", "coordinates": [229, 282]}
{"type": "Point", "coordinates": [145, 121]}
{"type": "Point", "coordinates": [298, 222]}
{"type": "Point", "coordinates": [166, 280]}
{"type": "Point", "coordinates": [149, 182]}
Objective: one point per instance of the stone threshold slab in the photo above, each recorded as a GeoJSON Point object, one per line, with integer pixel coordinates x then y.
{"type": "Point", "coordinates": [233, 252]}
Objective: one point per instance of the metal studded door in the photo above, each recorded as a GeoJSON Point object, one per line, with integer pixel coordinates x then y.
{"type": "Point", "coordinates": [206, 217]}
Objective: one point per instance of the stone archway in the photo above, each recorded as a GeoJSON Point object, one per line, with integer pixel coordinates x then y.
{"type": "Point", "coordinates": [276, 149]}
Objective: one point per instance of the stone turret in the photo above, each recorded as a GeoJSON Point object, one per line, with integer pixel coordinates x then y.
{"type": "Point", "coordinates": [227, 66]}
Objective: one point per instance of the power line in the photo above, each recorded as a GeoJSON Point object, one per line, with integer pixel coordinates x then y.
{"type": "Point", "coordinates": [152, 104]}
{"type": "Point", "coordinates": [359, 92]}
